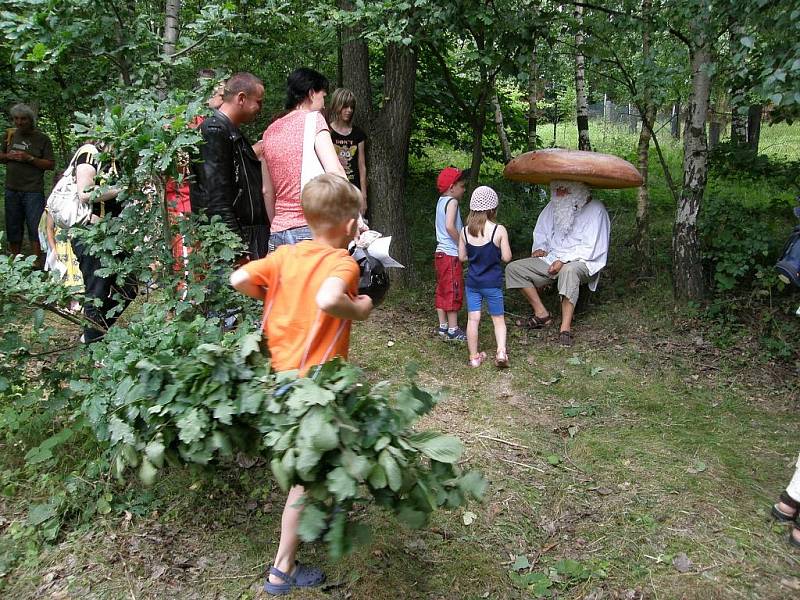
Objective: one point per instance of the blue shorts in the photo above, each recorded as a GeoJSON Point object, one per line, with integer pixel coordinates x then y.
{"type": "Point", "coordinates": [289, 236]}
{"type": "Point", "coordinates": [494, 300]}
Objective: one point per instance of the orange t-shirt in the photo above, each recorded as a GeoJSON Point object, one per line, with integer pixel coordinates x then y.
{"type": "Point", "coordinates": [299, 334]}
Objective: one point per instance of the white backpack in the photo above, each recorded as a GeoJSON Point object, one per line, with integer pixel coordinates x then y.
{"type": "Point", "coordinates": [64, 204]}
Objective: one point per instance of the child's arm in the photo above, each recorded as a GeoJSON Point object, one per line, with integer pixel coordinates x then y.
{"type": "Point", "coordinates": [241, 282]}
{"type": "Point", "coordinates": [462, 247]}
{"type": "Point", "coordinates": [450, 219]}
{"type": "Point", "coordinates": [332, 297]}
{"type": "Point", "coordinates": [505, 246]}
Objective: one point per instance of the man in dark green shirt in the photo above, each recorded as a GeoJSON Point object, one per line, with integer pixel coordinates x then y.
{"type": "Point", "coordinates": [27, 153]}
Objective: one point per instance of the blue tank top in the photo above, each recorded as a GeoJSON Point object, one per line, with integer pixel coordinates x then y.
{"type": "Point", "coordinates": [485, 265]}
{"type": "Point", "coordinates": [444, 243]}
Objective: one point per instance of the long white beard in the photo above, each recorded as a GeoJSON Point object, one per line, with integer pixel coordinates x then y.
{"type": "Point", "coordinates": [566, 207]}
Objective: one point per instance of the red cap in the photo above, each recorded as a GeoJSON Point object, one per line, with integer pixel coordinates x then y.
{"type": "Point", "coordinates": [448, 177]}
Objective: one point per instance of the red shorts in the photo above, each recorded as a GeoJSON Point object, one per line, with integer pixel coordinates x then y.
{"type": "Point", "coordinates": [449, 282]}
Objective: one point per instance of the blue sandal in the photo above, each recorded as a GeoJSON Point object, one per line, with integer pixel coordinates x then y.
{"type": "Point", "coordinates": [302, 577]}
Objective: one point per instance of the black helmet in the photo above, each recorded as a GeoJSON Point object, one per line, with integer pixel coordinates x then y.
{"type": "Point", "coordinates": [374, 281]}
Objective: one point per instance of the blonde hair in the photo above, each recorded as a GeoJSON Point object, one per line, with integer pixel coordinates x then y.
{"type": "Point", "coordinates": [477, 220]}
{"type": "Point", "coordinates": [340, 99]}
{"type": "Point", "coordinates": [329, 200]}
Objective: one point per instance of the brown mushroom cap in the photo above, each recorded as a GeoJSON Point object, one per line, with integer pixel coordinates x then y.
{"type": "Point", "coordinates": [595, 169]}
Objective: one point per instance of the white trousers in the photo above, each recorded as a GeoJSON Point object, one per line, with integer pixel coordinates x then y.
{"type": "Point", "coordinates": [794, 485]}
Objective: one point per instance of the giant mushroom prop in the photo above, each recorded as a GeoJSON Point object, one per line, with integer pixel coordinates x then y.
{"type": "Point", "coordinates": [592, 168]}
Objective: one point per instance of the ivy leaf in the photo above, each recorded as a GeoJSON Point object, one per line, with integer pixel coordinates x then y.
{"type": "Point", "coordinates": [358, 467]}
{"type": "Point", "coordinates": [191, 425]}
{"type": "Point", "coordinates": [317, 428]}
{"type": "Point", "coordinates": [280, 474]}
{"type": "Point", "coordinates": [377, 477]}
{"type": "Point", "coordinates": [312, 523]}
{"type": "Point", "coordinates": [521, 562]}
{"type": "Point", "coordinates": [39, 513]}
{"type": "Point", "coordinates": [305, 394]}
{"type": "Point", "coordinates": [442, 448]}
{"type": "Point", "coordinates": [224, 412]}
{"type": "Point", "coordinates": [154, 451]}
{"type": "Point", "coordinates": [120, 431]}
{"type": "Point", "coordinates": [147, 473]}
{"type": "Point", "coordinates": [335, 537]}
{"type": "Point", "coordinates": [341, 485]}
{"type": "Point", "coordinates": [307, 460]}
{"type": "Point", "coordinates": [389, 465]}
{"type": "Point", "coordinates": [250, 344]}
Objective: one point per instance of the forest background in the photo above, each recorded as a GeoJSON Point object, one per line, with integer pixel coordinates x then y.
{"type": "Point", "coordinates": [700, 95]}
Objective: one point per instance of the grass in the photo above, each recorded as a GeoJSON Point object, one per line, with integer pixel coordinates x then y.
{"type": "Point", "coordinates": [645, 442]}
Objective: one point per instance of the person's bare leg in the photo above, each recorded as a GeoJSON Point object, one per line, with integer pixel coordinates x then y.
{"type": "Point", "coordinates": [441, 315]}
{"type": "Point", "coordinates": [532, 295]}
{"type": "Point", "coordinates": [473, 320]}
{"type": "Point", "coordinates": [452, 319]}
{"type": "Point", "coordinates": [499, 322]}
{"type": "Point", "coordinates": [567, 311]}
{"type": "Point", "coordinates": [14, 248]}
{"type": "Point", "coordinates": [287, 548]}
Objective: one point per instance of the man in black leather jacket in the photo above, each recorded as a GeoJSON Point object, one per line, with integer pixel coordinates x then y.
{"type": "Point", "coordinates": [227, 176]}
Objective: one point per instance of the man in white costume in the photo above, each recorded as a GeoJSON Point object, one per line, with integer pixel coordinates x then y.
{"type": "Point", "coordinates": [570, 247]}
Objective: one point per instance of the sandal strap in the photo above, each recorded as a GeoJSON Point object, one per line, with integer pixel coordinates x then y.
{"type": "Point", "coordinates": [278, 573]}
{"type": "Point", "coordinates": [789, 501]}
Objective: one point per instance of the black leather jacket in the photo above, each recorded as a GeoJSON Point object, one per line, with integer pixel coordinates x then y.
{"type": "Point", "coordinates": [227, 177]}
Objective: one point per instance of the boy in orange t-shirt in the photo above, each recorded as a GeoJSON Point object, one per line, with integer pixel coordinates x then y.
{"type": "Point", "coordinates": [310, 294]}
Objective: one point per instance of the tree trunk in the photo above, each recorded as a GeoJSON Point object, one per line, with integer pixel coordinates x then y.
{"type": "Point", "coordinates": [389, 130]}
{"type": "Point", "coordinates": [675, 122]}
{"type": "Point", "coordinates": [642, 239]}
{"type": "Point", "coordinates": [170, 41]}
{"type": "Point", "coordinates": [582, 108]}
{"type": "Point", "coordinates": [477, 135]}
{"type": "Point", "coordinates": [501, 130]}
{"type": "Point", "coordinates": [643, 196]}
{"type": "Point", "coordinates": [172, 12]}
{"type": "Point", "coordinates": [533, 97]}
{"type": "Point", "coordinates": [754, 126]}
{"type": "Point", "coordinates": [687, 269]}
{"type": "Point", "coordinates": [738, 91]}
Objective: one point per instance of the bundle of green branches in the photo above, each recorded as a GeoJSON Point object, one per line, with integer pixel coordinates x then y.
{"type": "Point", "coordinates": [194, 394]}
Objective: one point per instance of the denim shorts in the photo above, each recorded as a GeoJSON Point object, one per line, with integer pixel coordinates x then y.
{"type": "Point", "coordinates": [289, 236]}
{"type": "Point", "coordinates": [493, 296]}
{"type": "Point", "coordinates": [23, 208]}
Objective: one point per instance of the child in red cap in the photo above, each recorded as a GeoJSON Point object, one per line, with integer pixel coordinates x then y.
{"type": "Point", "coordinates": [449, 277]}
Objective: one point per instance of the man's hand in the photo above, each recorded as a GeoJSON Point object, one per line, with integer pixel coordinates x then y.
{"type": "Point", "coordinates": [20, 156]}
{"type": "Point", "coordinates": [538, 253]}
{"type": "Point", "coordinates": [555, 267]}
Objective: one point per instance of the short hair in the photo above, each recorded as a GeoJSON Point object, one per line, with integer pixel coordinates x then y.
{"type": "Point", "coordinates": [329, 200]}
{"type": "Point", "coordinates": [23, 110]}
{"type": "Point", "coordinates": [340, 99]}
{"type": "Point", "coordinates": [300, 82]}
{"type": "Point", "coordinates": [241, 82]}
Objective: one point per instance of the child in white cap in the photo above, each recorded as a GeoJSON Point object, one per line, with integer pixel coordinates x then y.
{"type": "Point", "coordinates": [485, 245]}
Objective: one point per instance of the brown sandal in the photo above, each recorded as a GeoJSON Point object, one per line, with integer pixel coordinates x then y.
{"type": "Point", "coordinates": [535, 322]}
{"type": "Point", "coordinates": [781, 516]}
{"type": "Point", "coordinates": [565, 338]}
